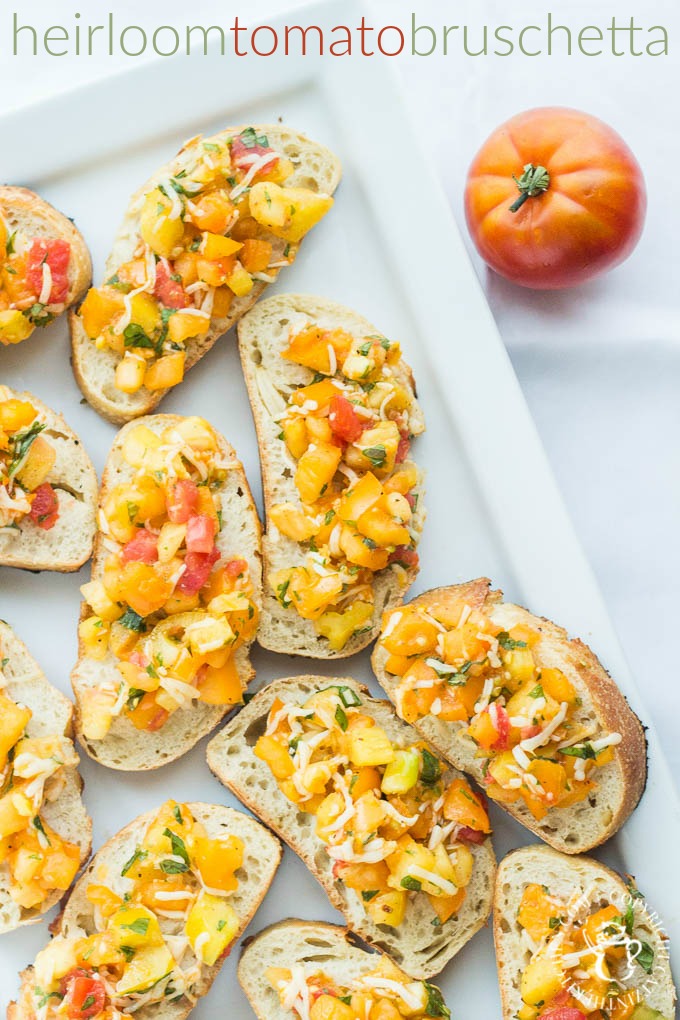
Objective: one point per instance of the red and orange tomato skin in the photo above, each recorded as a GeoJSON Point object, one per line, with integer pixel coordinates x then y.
{"type": "Point", "coordinates": [588, 220]}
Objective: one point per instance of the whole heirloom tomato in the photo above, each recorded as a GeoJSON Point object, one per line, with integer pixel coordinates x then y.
{"type": "Point", "coordinates": [553, 198]}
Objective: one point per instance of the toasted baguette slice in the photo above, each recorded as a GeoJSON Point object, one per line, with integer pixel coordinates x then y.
{"type": "Point", "coordinates": [263, 335]}
{"type": "Point", "coordinates": [24, 682]}
{"type": "Point", "coordinates": [67, 545]}
{"type": "Point", "coordinates": [26, 213]}
{"type": "Point", "coordinates": [586, 884]}
{"type": "Point", "coordinates": [620, 784]}
{"type": "Point", "coordinates": [315, 947]}
{"type": "Point", "coordinates": [125, 748]}
{"type": "Point", "coordinates": [415, 945]}
{"type": "Point", "coordinates": [262, 858]}
{"type": "Point", "coordinates": [316, 167]}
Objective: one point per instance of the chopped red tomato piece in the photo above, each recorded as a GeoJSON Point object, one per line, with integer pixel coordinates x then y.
{"type": "Point", "coordinates": [563, 1013]}
{"type": "Point", "coordinates": [345, 423]}
{"type": "Point", "coordinates": [45, 507]}
{"type": "Point", "coordinates": [235, 568]}
{"type": "Point", "coordinates": [502, 726]}
{"type": "Point", "coordinates": [182, 501]}
{"type": "Point", "coordinates": [411, 500]}
{"type": "Point", "coordinates": [56, 254]}
{"type": "Point", "coordinates": [169, 290]}
{"type": "Point", "coordinates": [470, 835]}
{"type": "Point", "coordinates": [84, 995]}
{"type": "Point", "coordinates": [246, 150]}
{"type": "Point", "coordinates": [198, 567]}
{"type": "Point", "coordinates": [403, 448]}
{"type": "Point", "coordinates": [405, 556]}
{"type": "Point", "coordinates": [143, 548]}
{"type": "Point", "coordinates": [200, 534]}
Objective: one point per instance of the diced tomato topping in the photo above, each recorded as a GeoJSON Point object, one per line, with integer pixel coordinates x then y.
{"type": "Point", "coordinates": [482, 798]}
{"type": "Point", "coordinates": [234, 568]}
{"type": "Point", "coordinates": [200, 534]}
{"type": "Point", "coordinates": [243, 156]}
{"type": "Point", "coordinates": [226, 952]}
{"type": "Point", "coordinates": [345, 423]}
{"type": "Point", "coordinates": [198, 567]}
{"type": "Point", "coordinates": [403, 448]}
{"type": "Point", "coordinates": [158, 720]}
{"type": "Point", "coordinates": [316, 993]}
{"type": "Point", "coordinates": [56, 254]}
{"type": "Point", "coordinates": [143, 548]}
{"type": "Point", "coordinates": [84, 995]}
{"type": "Point", "coordinates": [182, 501]}
{"type": "Point", "coordinates": [168, 290]}
{"type": "Point", "coordinates": [471, 835]}
{"type": "Point", "coordinates": [527, 732]}
{"type": "Point", "coordinates": [562, 1013]}
{"type": "Point", "coordinates": [502, 725]}
{"type": "Point", "coordinates": [411, 500]}
{"type": "Point", "coordinates": [405, 555]}
{"type": "Point", "coordinates": [139, 659]}
{"type": "Point", "coordinates": [45, 507]}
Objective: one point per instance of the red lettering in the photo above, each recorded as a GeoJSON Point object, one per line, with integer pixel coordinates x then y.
{"type": "Point", "coordinates": [402, 41]}
{"type": "Point", "coordinates": [362, 30]}
{"type": "Point", "coordinates": [264, 28]}
{"type": "Point", "coordinates": [303, 32]}
{"type": "Point", "coordinates": [236, 28]}
{"type": "Point", "coordinates": [346, 42]}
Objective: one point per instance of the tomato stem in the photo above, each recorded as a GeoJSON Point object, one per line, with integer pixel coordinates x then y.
{"type": "Point", "coordinates": [534, 181]}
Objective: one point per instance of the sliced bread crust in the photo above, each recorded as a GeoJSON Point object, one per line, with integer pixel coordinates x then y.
{"type": "Point", "coordinates": [316, 167]}
{"type": "Point", "coordinates": [415, 946]}
{"type": "Point", "coordinates": [23, 210]}
{"type": "Point", "coordinates": [26, 684]}
{"type": "Point", "coordinates": [263, 335]}
{"type": "Point", "coordinates": [124, 748]}
{"type": "Point", "coordinates": [262, 858]}
{"type": "Point", "coordinates": [565, 877]}
{"type": "Point", "coordinates": [67, 545]}
{"type": "Point", "coordinates": [313, 945]}
{"type": "Point", "coordinates": [620, 784]}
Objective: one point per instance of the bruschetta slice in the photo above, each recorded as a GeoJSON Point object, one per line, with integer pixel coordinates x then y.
{"type": "Point", "coordinates": [149, 924]}
{"type": "Point", "coordinates": [173, 605]}
{"type": "Point", "coordinates": [510, 699]}
{"type": "Point", "coordinates": [575, 941]}
{"type": "Point", "coordinates": [399, 842]}
{"type": "Point", "coordinates": [335, 410]}
{"type": "Point", "coordinates": [44, 264]}
{"type": "Point", "coordinates": [44, 828]}
{"type": "Point", "coordinates": [48, 488]}
{"type": "Point", "coordinates": [301, 970]}
{"type": "Point", "coordinates": [199, 243]}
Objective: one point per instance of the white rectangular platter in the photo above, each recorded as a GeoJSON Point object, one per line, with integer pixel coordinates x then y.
{"type": "Point", "coordinates": [391, 250]}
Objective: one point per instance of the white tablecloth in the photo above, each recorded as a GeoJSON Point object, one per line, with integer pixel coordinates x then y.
{"type": "Point", "coordinates": [600, 365]}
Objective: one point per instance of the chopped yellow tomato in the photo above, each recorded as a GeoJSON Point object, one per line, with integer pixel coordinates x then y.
{"type": "Point", "coordinates": [456, 661]}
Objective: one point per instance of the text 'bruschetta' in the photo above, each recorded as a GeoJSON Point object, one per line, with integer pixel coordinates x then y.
{"type": "Point", "coordinates": [335, 410]}
{"type": "Point", "coordinates": [174, 600]}
{"type": "Point", "coordinates": [149, 924]}
{"type": "Point", "coordinates": [399, 843]}
{"type": "Point", "coordinates": [509, 698]}
{"type": "Point", "coordinates": [298, 970]}
{"type": "Point", "coordinates": [576, 942]}
{"type": "Point", "coordinates": [48, 488]}
{"type": "Point", "coordinates": [44, 264]}
{"type": "Point", "coordinates": [44, 828]}
{"type": "Point", "coordinates": [200, 242]}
